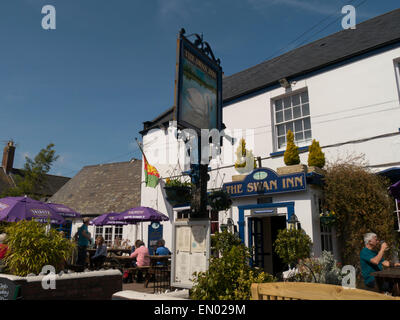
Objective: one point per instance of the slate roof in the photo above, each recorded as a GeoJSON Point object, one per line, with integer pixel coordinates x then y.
{"type": "Point", "coordinates": [162, 120]}
{"type": "Point", "coordinates": [369, 35]}
{"type": "Point", "coordinates": [103, 188]}
{"type": "Point", "coordinates": [52, 184]}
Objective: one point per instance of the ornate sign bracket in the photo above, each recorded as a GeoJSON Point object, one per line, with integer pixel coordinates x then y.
{"type": "Point", "coordinates": [202, 45]}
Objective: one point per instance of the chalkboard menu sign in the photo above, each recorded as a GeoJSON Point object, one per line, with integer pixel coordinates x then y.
{"type": "Point", "coordinates": [8, 289]}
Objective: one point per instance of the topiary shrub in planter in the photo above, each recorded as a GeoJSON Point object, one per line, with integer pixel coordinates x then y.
{"type": "Point", "coordinates": [31, 248]}
{"type": "Point", "coordinates": [229, 277]}
{"type": "Point", "coordinates": [291, 155]}
{"type": "Point", "coordinates": [178, 192]}
{"type": "Point", "coordinates": [316, 158]}
{"type": "Point", "coordinates": [245, 161]}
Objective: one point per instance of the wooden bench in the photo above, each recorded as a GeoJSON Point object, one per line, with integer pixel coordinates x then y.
{"type": "Point", "coordinates": [145, 270]}
{"type": "Point", "coordinates": [311, 291]}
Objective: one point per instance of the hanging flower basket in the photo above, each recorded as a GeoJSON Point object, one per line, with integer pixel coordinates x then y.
{"type": "Point", "coordinates": [328, 218]}
{"type": "Point", "coordinates": [219, 200]}
{"type": "Point", "coordinates": [178, 193]}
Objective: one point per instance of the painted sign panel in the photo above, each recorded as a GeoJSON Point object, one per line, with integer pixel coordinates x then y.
{"type": "Point", "coordinates": [155, 233]}
{"type": "Point", "coordinates": [266, 181]}
{"type": "Point", "coordinates": [199, 89]}
{"type": "Point", "coordinates": [191, 248]}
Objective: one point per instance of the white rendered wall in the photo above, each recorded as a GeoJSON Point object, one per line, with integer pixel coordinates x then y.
{"type": "Point", "coordinates": [354, 101]}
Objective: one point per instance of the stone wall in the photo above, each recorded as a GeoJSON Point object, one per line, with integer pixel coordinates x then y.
{"type": "Point", "coordinates": [94, 285]}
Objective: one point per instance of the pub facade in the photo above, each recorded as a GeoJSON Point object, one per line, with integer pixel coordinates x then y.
{"type": "Point", "coordinates": [342, 90]}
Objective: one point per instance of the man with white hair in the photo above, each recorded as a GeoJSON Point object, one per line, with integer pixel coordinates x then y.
{"type": "Point", "coordinates": [371, 260]}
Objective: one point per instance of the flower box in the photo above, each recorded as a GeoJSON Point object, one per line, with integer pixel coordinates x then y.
{"type": "Point", "coordinates": [178, 195]}
{"type": "Point", "coordinates": [292, 169]}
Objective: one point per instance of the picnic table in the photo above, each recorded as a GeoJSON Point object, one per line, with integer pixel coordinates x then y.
{"type": "Point", "coordinates": [112, 255]}
{"type": "Point", "coordinates": [111, 251]}
{"type": "Point", "coordinates": [152, 271]}
{"type": "Point", "coordinates": [126, 261]}
{"type": "Point", "coordinates": [391, 275]}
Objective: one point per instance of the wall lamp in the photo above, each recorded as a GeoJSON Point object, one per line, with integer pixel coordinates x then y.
{"type": "Point", "coordinates": [284, 83]}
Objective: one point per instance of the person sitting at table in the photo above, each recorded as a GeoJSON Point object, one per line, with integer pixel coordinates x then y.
{"type": "Point", "coordinates": [117, 242]}
{"type": "Point", "coordinates": [100, 255]}
{"type": "Point", "coordinates": [162, 250]}
{"type": "Point", "coordinates": [371, 260]}
{"type": "Point", "coordinates": [142, 256]}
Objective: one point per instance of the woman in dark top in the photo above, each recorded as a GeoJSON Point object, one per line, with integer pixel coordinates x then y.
{"type": "Point", "coordinates": [101, 252]}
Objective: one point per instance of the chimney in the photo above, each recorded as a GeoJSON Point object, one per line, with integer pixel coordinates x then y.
{"type": "Point", "coordinates": [8, 157]}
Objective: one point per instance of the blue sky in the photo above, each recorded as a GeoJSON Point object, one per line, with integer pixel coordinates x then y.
{"type": "Point", "coordinates": [89, 85]}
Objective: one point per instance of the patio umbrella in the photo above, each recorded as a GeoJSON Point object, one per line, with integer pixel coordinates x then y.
{"type": "Point", "coordinates": [395, 190]}
{"type": "Point", "coordinates": [107, 219]}
{"type": "Point", "coordinates": [141, 214]}
{"type": "Point", "coordinates": [64, 211]}
{"type": "Point", "coordinates": [13, 209]}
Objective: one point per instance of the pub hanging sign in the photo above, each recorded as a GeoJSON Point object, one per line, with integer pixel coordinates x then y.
{"type": "Point", "coordinates": [265, 181]}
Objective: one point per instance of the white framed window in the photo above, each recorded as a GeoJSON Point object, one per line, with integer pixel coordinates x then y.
{"type": "Point", "coordinates": [118, 233]}
{"type": "Point", "coordinates": [214, 223]}
{"type": "Point", "coordinates": [292, 112]}
{"type": "Point", "coordinates": [108, 236]}
{"type": "Point", "coordinates": [109, 233]}
{"type": "Point", "coordinates": [98, 232]}
{"type": "Point", "coordinates": [326, 238]}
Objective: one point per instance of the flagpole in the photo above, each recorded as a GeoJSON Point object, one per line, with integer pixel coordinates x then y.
{"type": "Point", "coordinates": [140, 148]}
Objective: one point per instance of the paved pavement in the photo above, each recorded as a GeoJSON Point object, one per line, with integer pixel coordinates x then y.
{"type": "Point", "coordinates": [138, 287]}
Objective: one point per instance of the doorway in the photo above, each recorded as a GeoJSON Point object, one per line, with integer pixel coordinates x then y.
{"type": "Point", "coordinates": [263, 232]}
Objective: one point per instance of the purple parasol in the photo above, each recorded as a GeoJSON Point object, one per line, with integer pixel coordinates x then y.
{"type": "Point", "coordinates": [64, 211]}
{"type": "Point", "coordinates": [140, 214]}
{"type": "Point", "coordinates": [13, 209]}
{"type": "Point", "coordinates": [395, 190]}
{"type": "Point", "coordinates": [107, 219]}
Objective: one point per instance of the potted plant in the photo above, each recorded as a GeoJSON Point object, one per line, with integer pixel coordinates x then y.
{"type": "Point", "coordinates": [219, 200]}
{"type": "Point", "coordinates": [177, 192]}
{"type": "Point", "coordinates": [328, 218]}
{"type": "Point", "coordinates": [245, 162]}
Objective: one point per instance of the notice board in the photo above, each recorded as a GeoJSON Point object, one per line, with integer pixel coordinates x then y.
{"type": "Point", "coordinates": [191, 247]}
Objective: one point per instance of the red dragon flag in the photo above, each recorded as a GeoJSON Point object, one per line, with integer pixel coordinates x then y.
{"type": "Point", "coordinates": [152, 175]}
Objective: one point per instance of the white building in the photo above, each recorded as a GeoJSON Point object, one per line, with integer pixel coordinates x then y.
{"type": "Point", "coordinates": [342, 90]}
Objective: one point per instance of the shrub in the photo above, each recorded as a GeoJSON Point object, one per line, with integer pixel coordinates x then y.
{"type": "Point", "coordinates": [361, 204]}
{"type": "Point", "coordinates": [291, 155]}
{"type": "Point", "coordinates": [316, 157]}
{"type": "Point", "coordinates": [292, 245]}
{"type": "Point", "coordinates": [31, 248]}
{"type": "Point", "coordinates": [319, 270]}
{"type": "Point", "coordinates": [229, 277]}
